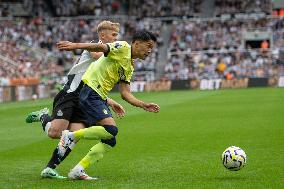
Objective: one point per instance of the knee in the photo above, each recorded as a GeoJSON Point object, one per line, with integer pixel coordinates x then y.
{"type": "Point", "coordinates": [111, 129]}
{"type": "Point", "coordinates": [111, 142]}
{"type": "Point", "coordinates": [54, 133]}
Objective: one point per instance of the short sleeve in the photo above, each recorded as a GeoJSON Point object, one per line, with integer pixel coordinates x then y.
{"type": "Point", "coordinates": [118, 50]}
{"type": "Point", "coordinates": [125, 75]}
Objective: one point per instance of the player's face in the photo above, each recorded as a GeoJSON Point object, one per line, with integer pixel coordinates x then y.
{"type": "Point", "coordinates": [144, 48]}
{"type": "Point", "coordinates": [109, 36]}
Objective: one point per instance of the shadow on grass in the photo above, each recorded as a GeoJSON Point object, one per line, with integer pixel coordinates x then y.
{"type": "Point", "coordinates": [230, 178]}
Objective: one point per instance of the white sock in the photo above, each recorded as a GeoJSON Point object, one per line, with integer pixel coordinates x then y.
{"type": "Point", "coordinates": [79, 167]}
{"type": "Point", "coordinates": [47, 126]}
{"type": "Point", "coordinates": [71, 135]}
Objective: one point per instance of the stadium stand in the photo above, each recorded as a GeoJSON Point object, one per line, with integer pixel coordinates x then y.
{"type": "Point", "coordinates": [42, 35]}
{"type": "Point", "coordinates": [198, 47]}
{"type": "Point", "coordinates": [242, 6]}
{"type": "Point", "coordinates": [190, 46]}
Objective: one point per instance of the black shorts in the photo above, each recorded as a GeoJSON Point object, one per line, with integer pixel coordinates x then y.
{"type": "Point", "coordinates": [66, 106]}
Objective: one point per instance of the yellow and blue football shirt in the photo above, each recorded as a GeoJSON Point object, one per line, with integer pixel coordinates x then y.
{"type": "Point", "coordinates": [114, 67]}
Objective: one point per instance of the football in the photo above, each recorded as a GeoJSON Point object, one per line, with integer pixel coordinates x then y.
{"type": "Point", "coordinates": [234, 158]}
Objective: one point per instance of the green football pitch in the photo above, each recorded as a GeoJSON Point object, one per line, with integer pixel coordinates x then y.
{"type": "Point", "coordinates": [179, 147]}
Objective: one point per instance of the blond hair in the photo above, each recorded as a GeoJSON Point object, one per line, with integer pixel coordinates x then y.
{"type": "Point", "coordinates": [108, 25]}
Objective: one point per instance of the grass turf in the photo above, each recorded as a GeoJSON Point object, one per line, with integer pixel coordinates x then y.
{"type": "Point", "coordinates": [180, 147]}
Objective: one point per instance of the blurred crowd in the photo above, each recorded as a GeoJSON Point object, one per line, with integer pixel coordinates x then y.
{"type": "Point", "coordinates": [225, 65]}
{"type": "Point", "coordinates": [179, 8]}
{"type": "Point", "coordinates": [139, 8]}
{"type": "Point", "coordinates": [197, 49]}
{"type": "Point", "coordinates": [215, 49]}
{"type": "Point", "coordinates": [219, 34]}
{"type": "Point", "coordinates": [44, 34]}
{"type": "Point", "coordinates": [89, 7]}
{"type": "Point", "coordinates": [242, 6]}
{"type": "Point", "coordinates": [25, 63]}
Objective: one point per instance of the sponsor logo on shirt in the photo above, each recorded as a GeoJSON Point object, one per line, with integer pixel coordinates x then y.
{"type": "Point", "coordinates": [59, 113]}
{"type": "Point", "coordinates": [117, 45]}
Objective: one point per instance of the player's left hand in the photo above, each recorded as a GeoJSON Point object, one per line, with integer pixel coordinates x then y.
{"type": "Point", "coordinates": [119, 110]}
{"type": "Point", "coordinates": [151, 107]}
{"type": "Point", "coordinates": [116, 107]}
{"type": "Point", "coordinates": [65, 45]}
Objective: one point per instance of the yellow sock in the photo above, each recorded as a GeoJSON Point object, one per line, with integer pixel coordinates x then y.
{"type": "Point", "coordinates": [94, 133]}
{"type": "Point", "coordinates": [95, 154]}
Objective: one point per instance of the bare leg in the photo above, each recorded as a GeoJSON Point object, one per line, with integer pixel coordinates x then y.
{"type": "Point", "coordinates": [55, 159]}
{"type": "Point", "coordinates": [56, 128]}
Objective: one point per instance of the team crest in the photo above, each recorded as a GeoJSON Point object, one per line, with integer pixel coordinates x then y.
{"type": "Point", "coordinates": [117, 45]}
{"type": "Point", "coordinates": [105, 111]}
{"type": "Point", "coordinates": [59, 113]}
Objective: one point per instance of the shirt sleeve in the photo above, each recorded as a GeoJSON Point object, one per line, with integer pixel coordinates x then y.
{"type": "Point", "coordinates": [128, 75]}
{"type": "Point", "coordinates": [125, 75]}
{"type": "Point", "coordinates": [118, 50]}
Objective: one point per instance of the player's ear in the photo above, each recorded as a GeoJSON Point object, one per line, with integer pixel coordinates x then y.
{"type": "Point", "coordinates": [101, 35]}
{"type": "Point", "coordinates": [135, 45]}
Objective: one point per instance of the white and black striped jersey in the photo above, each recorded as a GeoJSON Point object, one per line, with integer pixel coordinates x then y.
{"type": "Point", "coordinates": [77, 71]}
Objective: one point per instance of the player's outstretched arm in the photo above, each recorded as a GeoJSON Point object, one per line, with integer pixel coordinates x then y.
{"type": "Point", "coordinates": [116, 107]}
{"type": "Point", "coordinates": [97, 55]}
{"type": "Point", "coordinates": [128, 97]}
{"type": "Point", "coordinates": [93, 47]}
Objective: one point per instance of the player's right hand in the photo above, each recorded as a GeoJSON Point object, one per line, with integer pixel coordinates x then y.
{"type": "Point", "coordinates": [151, 107]}
{"type": "Point", "coordinates": [65, 45]}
